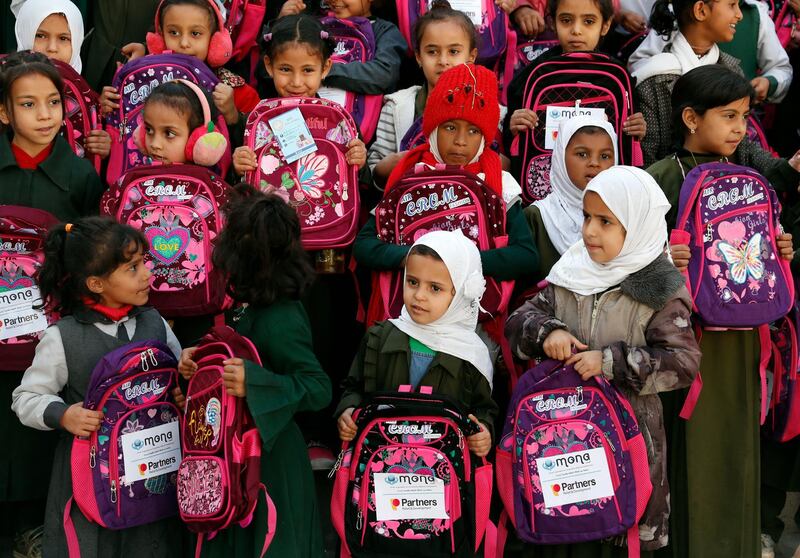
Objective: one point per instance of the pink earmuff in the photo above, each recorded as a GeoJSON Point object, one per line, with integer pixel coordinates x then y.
{"type": "Point", "coordinates": [220, 49]}
{"type": "Point", "coordinates": [206, 146]}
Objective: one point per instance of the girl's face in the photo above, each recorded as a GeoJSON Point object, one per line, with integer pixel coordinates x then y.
{"type": "Point", "coordinates": [166, 133]}
{"type": "Point", "coordinates": [428, 290]}
{"type": "Point", "coordinates": [444, 44]}
{"type": "Point", "coordinates": [587, 155]}
{"type": "Point", "coordinates": [458, 142]}
{"type": "Point", "coordinates": [580, 25]}
{"type": "Point", "coordinates": [187, 29]}
{"type": "Point", "coordinates": [718, 19]}
{"type": "Point", "coordinates": [297, 71]}
{"type": "Point", "coordinates": [34, 112]}
{"type": "Point", "coordinates": [720, 130]}
{"type": "Point", "coordinates": [350, 8]}
{"type": "Point", "coordinates": [128, 284]}
{"type": "Point", "coordinates": [603, 234]}
{"type": "Point", "coordinates": [54, 39]}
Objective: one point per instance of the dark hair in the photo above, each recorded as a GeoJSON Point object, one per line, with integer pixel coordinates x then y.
{"type": "Point", "coordinates": [705, 88]}
{"type": "Point", "coordinates": [21, 64]}
{"type": "Point", "coordinates": [606, 8]}
{"type": "Point", "coordinates": [441, 10]}
{"type": "Point", "coordinates": [590, 131]}
{"type": "Point", "coordinates": [204, 4]}
{"type": "Point", "coordinates": [298, 29]}
{"type": "Point", "coordinates": [422, 250]}
{"type": "Point", "coordinates": [180, 98]}
{"type": "Point", "coordinates": [260, 250]}
{"type": "Point", "coordinates": [667, 15]}
{"type": "Point", "coordinates": [94, 246]}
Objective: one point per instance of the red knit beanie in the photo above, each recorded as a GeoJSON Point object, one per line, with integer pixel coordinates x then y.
{"type": "Point", "coordinates": [466, 92]}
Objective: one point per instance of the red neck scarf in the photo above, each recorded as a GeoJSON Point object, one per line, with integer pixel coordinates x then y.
{"type": "Point", "coordinates": [113, 314]}
{"type": "Point", "coordinates": [25, 161]}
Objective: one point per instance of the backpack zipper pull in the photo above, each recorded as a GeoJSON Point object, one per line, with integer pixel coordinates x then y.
{"type": "Point", "coordinates": [122, 124]}
{"type": "Point", "coordinates": [335, 465]}
{"type": "Point", "coordinates": [92, 460]}
{"type": "Point", "coordinates": [143, 360]}
{"type": "Point", "coordinates": [709, 236]}
{"type": "Point", "coordinates": [579, 392]}
{"type": "Point", "coordinates": [610, 443]}
{"type": "Point", "coordinates": [153, 358]}
{"type": "Point", "coordinates": [359, 520]}
{"type": "Point", "coordinates": [113, 492]}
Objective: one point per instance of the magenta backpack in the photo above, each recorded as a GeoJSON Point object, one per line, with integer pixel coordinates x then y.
{"type": "Point", "coordinates": [783, 416]}
{"type": "Point", "coordinates": [81, 110]}
{"type": "Point", "coordinates": [446, 199]}
{"type": "Point", "coordinates": [243, 21]}
{"type": "Point", "coordinates": [321, 187]}
{"type": "Point", "coordinates": [407, 484]}
{"type": "Point", "coordinates": [755, 133]}
{"type": "Point", "coordinates": [521, 53]}
{"type": "Point", "coordinates": [134, 81]}
{"type": "Point", "coordinates": [124, 474]}
{"type": "Point", "coordinates": [728, 215]}
{"type": "Point", "coordinates": [219, 481]}
{"type": "Point", "coordinates": [355, 42]}
{"type": "Point", "coordinates": [177, 208]}
{"type": "Point", "coordinates": [572, 80]}
{"type": "Point", "coordinates": [785, 23]}
{"type": "Point", "coordinates": [23, 231]}
{"type": "Point", "coordinates": [572, 463]}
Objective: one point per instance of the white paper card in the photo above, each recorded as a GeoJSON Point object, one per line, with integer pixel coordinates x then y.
{"type": "Point", "coordinates": [338, 96]}
{"type": "Point", "coordinates": [293, 135]}
{"type": "Point", "coordinates": [555, 114]}
{"type": "Point", "coordinates": [574, 477]}
{"type": "Point", "coordinates": [408, 496]}
{"type": "Point", "coordinates": [151, 452]}
{"type": "Point", "coordinates": [473, 9]}
{"type": "Point", "coordinates": [18, 315]}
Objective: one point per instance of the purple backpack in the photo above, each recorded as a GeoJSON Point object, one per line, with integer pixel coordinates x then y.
{"type": "Point", "coordinates": [125, 474]}
{"type": "Point", "coordinates": [413, 137]}
{"type": "Point", "coordinates": [728, 215]}
{"type": "Point", "coordinates": [572, 463]}
{"type": "Point", "coordinates": [134, 81]}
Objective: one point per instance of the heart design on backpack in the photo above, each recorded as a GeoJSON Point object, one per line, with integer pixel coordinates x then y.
{"type": "Point", "coordinates": [167, 246]}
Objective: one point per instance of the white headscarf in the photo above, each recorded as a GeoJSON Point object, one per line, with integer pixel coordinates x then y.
{"type": "Point", "coordinates": [638, 203]}
{"type": "Point", "coordinates": [562, 209]}
{"type": "Point", "coordinates": [677, 61]}
{"type": "Point", "coordinates": [454, 332]}
{"type": "Point", "coordinates": [33, 12]}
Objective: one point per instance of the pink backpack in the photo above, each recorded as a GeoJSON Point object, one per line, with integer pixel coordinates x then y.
{"type": "Point", "coordinates": [519, 54]}
{"type": "Point", "coordinates": [177, 207]}
{"type": "Point", "coordinates": [783, 416]}
{"type": "Point", "coordinates": [243, 21]}
{"type": "Point", "coordinates": [321, 187]}
{"type": "Point", "coordinates": [407, 484]}
{"type": "Point", "coordinates": [219, 480]}
{"type": "Point", "coordinates": [784, 23]}
{"type": "Point", "coordinates": [81, 109]}
{"type": "Point", "coordinates": [22, 235]}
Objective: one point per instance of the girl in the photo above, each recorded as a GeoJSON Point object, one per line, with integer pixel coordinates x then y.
{"type": "Point", "coordinates": [93, 275]}
{"type": "Point", "coordinates": [433, 342]}
{"type": "Point", "coordinates": [55, 28]}
{"type": "Point", "coordinates": [618, 268]}
{"type": "Point", "coordinates": [584, 147]}
{"type": "Point", "coordinates": [719, 469]}
{"type": "Point", "coordinates": [581, 25]}
{"type": "Point", "coordinates": [260, 251]}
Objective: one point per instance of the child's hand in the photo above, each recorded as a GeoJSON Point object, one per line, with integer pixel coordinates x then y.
{"type": "Point", "coordinates": [79, 421]}
{"type": "Point", "coordinates": [761, 86]}
{"type": "Point", "coordinates": [187, 367]}
{"type": "Point", "coordinates": [635, 126]}
{"type": "Point", "coordinates": [179, 397]}
{"type": "Point", "coordinates": [244, 160]}
{"type": "Point", "coordinates": [132, 51]}
{"type": "Point", "coordinates": [559, 343]}
{"type": "Point", "coordinates": [291, 7]}
{"type": "Point", "coordinates": [681, 254]}
{"type": "Point", "coordinates": [479, 443]}
{"type": "Point", "coordinates": [356, 153]}
{"type": "Point", "coordinates": [98, 142]}
{"type": "Point", "coordinates": [784, 242]}
{"type": "Point", "coordinates": [631, 21]}
{"type": "Point", "coordinates": [233, 377]}
{"type": "Point", "coordinates": [223, 99]}
{"type": "Point", "coordinates": [346, 425]}
{"type": "Point", "coordinates": [506, 5]}
{"type": "Point", "coordinates": [521, 120]}
{"type": "Point", "coordinates": [795, 163]}
{"type": "Point", "coordinates": [529, 21]}
{"type": "Point", "coordinates": [587, 363]}
{"type": "Point", "coordinates": [109, 100]}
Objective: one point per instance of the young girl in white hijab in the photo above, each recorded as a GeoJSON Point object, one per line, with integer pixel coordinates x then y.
{"type": "Point", "coordinates": [433, 342]}
{"type": "Point", "coordinates": [584, 147]}
{"type": "Point", "coordinates": [616, 306]}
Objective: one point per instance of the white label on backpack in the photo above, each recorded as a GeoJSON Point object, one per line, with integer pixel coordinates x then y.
{"type": "Point", "coordinates": [473, 9]}
{"type": "Point", "coordinates": [293, 135]}
{"type": "Point", "coordinates": [151, 452]}
{"type": "Point", "coordinates": [338, 96]}
{"type": "Point", "coordinates": [18, 315]}
{"type": "Point", "coordinates": [572, 477]}
{"type": "Point", "coordinates": [555, 114]}
{"type": "Point", "coordinates": [408, 496]}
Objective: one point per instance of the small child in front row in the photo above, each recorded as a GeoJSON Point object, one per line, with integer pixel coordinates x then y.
{"type": "Point", "coordinates": [616, 299]}
{"type": "Point", "coordinates": [260, 251]}
{"type": "Point", "coordinates": [433, 342]}
{"type": "Point", "coordinates": [94, 276]}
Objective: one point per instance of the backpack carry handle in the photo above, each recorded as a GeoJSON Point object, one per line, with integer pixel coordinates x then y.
{"type": "Point", "coordinates": [406, 388]}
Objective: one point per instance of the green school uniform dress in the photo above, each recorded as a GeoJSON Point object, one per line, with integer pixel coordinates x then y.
{"type": "Point", "coordinates": [548, 255]}
{"type": "Point", "coordinates": [290, 380]}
